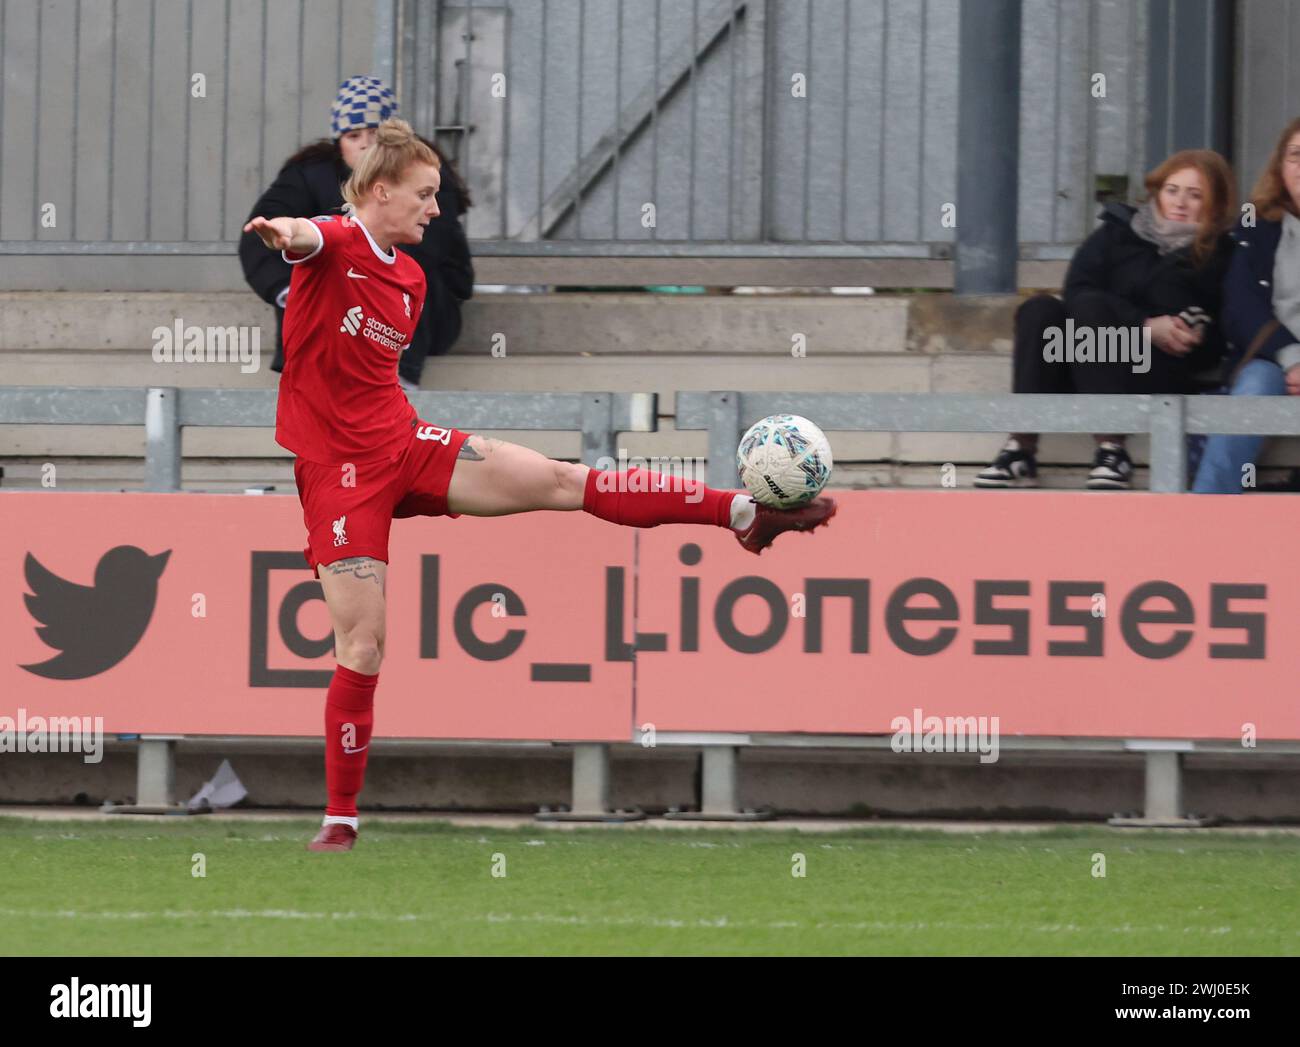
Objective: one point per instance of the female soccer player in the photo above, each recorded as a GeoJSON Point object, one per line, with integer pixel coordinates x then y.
{"type": "Point", "coordinates": [365, 458]}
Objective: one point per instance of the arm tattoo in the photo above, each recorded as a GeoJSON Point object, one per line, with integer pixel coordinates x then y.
{"type": "Point", "coordinates": [467, 452]}
{"type": "Point", "coordinates": [360, 567]}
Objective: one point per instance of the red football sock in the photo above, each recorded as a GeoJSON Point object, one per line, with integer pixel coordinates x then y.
{"type": "Point", "coordinates": [630, 498]}
{"type": "Point", "coordinates": [349, 715]}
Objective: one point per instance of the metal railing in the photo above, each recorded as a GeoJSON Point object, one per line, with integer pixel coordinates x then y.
{"type": "Point", "coordinates": [165, 412]}
{"type": "Point", "coordinates": [1167, 419]}
{"type": "Point", "coordinates": [600, 416]}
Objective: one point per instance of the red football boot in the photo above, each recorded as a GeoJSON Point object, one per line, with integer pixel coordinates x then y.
{"type": "Point", "coordinates": [769, 522]}
{"type": "Point", "coordinates": [335, 837]}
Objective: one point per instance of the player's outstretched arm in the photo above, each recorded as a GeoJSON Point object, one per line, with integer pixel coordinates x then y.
{"type": "Point", "coordinates": [295, 235]}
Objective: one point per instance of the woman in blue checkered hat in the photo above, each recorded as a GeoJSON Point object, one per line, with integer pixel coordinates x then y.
{"type": "Point", "coordinates": [310, 183]}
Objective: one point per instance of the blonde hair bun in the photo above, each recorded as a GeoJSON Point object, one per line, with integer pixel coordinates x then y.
{"type": "Point", "coordinates": [394, 131]}
{"type": "Point", "coordinates": [396, 148]}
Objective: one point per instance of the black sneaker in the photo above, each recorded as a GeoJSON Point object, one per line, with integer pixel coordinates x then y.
{"type": "Point", "coordinates": [1112, 469]}
{"type": "Point", "coordinates": [1013, 467]}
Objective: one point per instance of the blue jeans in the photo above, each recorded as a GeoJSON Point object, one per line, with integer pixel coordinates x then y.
{"type": "Point", "coordinates": [1225, 457]}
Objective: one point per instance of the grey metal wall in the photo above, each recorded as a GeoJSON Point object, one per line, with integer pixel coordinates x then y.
{"type": "Point", "coordinates": [1070, 132]}
{"type": "Point", "coordinates": [1190, 70]}
{"type": "Point", "coordinates": [1268, 81]}
{"type": "Point", "coordinates": [732, 153]}
{"type": "Point", "coordinates": [97, 115]}
{"type": "Point", "coordinates": [609, 105]}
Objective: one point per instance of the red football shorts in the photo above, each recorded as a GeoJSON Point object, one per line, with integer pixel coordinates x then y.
{"type": "Point", "coordinates": [348, 509]}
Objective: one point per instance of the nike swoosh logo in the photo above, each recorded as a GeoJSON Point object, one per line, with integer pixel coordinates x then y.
{"type": "Point", "coordinates": [357, 276]}
{"type": "Point", "coordinates": [349, 752]}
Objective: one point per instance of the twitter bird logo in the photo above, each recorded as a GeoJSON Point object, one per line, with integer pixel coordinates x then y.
{"type": "Point", "coordinates": [93, 627]}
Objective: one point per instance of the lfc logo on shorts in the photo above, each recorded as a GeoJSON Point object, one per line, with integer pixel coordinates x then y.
{"type": "Point", "coordinates": [340, 536]}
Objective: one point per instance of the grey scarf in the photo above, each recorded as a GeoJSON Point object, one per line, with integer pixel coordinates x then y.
{"type": "Point", "coordinates": [1168, 236]}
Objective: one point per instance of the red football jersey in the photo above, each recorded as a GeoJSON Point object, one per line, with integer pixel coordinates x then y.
{"type": "Point", "coordinates": [351, 311]}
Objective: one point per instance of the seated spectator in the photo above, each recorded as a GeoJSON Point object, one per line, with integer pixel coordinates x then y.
{"type": "Point", "coordinates": [1261, 310]}
{"type": "Point", "coordinates": [310, 184]}
{"type": "Point", "coordinates": [1157, 268]}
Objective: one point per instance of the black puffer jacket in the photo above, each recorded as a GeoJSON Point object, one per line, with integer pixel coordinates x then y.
{"type": "Point", "coordinates": [1140, 283]}
{"type": "Point", "coordinates": [311, 184]}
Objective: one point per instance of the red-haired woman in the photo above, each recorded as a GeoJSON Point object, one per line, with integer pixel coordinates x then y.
{"type": "Point", "coordinates": [1156, 268]}
{"type": "Point", "coordinates": [365, 458]}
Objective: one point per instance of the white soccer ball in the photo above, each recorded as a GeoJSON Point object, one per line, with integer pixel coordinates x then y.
{"type": "Point", "coordinates": [784, 461]}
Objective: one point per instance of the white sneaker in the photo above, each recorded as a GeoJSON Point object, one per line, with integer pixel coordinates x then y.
{"type": "Point", "coordinates": [1013, 467]}
{"type": "Point", "coordinates": [1112, 469]}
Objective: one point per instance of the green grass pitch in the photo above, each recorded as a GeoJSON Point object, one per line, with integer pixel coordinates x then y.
{"type": "Point", "coordinates": [116, 887]}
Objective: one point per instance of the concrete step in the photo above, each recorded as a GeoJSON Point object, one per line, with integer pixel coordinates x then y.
{"type": "Point", "coordinates": [896, 373]}
{"type": "Point", "coordinates": [555, 323]}
{"type": "Point", "coordinates": [640, 323]}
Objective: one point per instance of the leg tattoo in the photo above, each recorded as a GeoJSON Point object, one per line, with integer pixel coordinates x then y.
{"type": "Point", "coordinates": [360, 567]}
